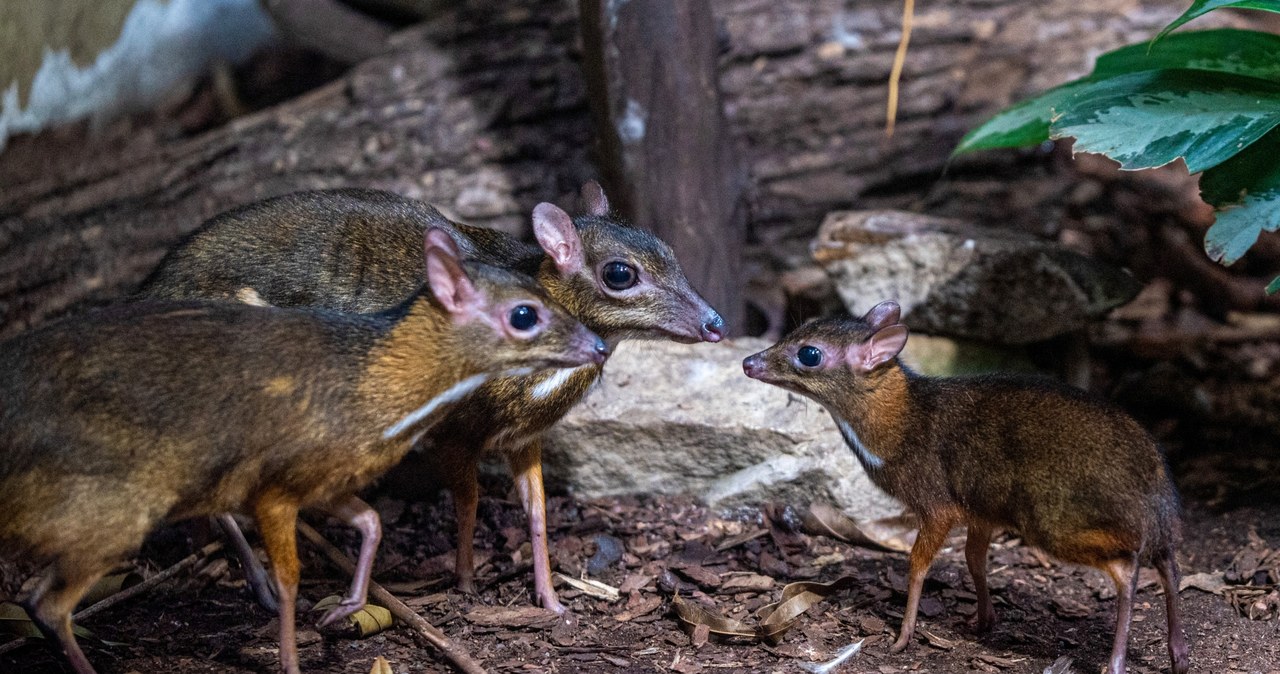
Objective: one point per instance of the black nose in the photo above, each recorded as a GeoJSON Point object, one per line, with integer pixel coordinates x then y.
{"type": "Point", "coordinates": [713, 328]}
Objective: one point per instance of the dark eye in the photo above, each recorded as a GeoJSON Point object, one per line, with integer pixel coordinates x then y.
{"type": "Point", "coordinates": [619, 275]}
{"type": "Point", "coordinates": [809, 356]}
{"type": "Point", "coordinates": [523, 317]}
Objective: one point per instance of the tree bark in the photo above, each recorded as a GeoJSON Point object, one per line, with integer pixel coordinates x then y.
{"type": "Point", "coordinates": [664, 146]}
{"type": "Point", "coordinates": [483, 111]}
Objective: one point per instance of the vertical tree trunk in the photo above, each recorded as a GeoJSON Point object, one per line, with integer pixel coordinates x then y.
{"type": "Point", "coordinates": [664, 148]}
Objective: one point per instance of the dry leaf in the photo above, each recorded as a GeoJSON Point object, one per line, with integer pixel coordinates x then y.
{"type": "Point", "coordinates": [368, 621]}
{"type": "Point", "coordinates": [1213, 583]}
{"type": "Point", "coordinates": [895, 534]}
{"type": "Point", "coordinates": [645, 606]}
{"type": "Point", "coordinates": [592, 588]}
{"type": "Point", "coordinates": [381, 666]}
{"type": "Point", "coordinates": [775, 619]}
{"type": "Point", "coordinates": [750, 582]}
{"type": "Point", "coordinates": [937, 641]}
{"type": "Point", "coordinates": [511, 616]}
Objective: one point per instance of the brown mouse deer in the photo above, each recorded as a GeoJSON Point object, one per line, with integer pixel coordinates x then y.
{"type": "Point", "coordinates": [118, 420]}
{"type": "Point", "coordinates": [1071, 474]}
{"type": "Point", "coordinates": [354, 250]}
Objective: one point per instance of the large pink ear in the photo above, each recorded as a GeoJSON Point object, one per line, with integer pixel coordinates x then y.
{"type": "Point", "coordinates": [594, 199]}
{"type": "Point", "coordinates": [558, 237]}
{"type": "Point", "coordinates": [883, 314]}
{"type": "Point", "coordinates": [437, 237]}
{"type": "Point", "coordinates": [449, 281]}
{"type": "Point", "coordinates": [881, 348]}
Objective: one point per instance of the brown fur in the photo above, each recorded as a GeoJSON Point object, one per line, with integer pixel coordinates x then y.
{"type": "Point", "coordinates": [359, 250]}
{"type": "Point", "coordinates": [126, 417]}
{"type": "Point", "coordinates": [1073, 475]}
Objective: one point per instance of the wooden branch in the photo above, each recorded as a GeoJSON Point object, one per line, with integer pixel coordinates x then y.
{"type": "Point", "coordinates": [417, 624]}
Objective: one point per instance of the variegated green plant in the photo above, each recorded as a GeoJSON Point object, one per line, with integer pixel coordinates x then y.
{"type": "Point", "coordinates": [1210, 98]}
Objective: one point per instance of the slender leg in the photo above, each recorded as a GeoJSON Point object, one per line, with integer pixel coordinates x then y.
{"type": "Point", "coordinates": [526, 466]}
{"type": "Point", "coordinates": [933, 533]}
{"type": "Point", "coordinates": [466, 496]}
{"type": "Point", "coordinates": [51, 604]}
{"type": "Point", "coordinates": [254, 572]}
{"type": "Point", "coordinates": [1179, 654]}
{"type": "Point", "coordinates": [364, 519]}
{"type": "Point", "coordinates": [277, 518]}
{"type": "Point", "coordinates": [1124, 572]}
{"type": "Point", "coordinates": [975, 553]}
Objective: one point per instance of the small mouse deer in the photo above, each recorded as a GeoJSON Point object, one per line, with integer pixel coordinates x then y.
{"type": "Point", "coordinates": [354, 250]}
{"type": "Point", "coordinates": [1074, 476]}
{"type": "Point", "coordinates": [123, 418]}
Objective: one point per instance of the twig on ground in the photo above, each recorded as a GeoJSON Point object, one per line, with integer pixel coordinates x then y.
{"type": "Point", "coordinates": [129, 592]}
{"type": "Point", "coordinates": [420, 627]}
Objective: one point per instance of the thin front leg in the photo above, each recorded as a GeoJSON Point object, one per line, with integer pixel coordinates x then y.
{"type": "Point", "coordinates": [254, 572]}
{"type": "Point", "coordinates": [933, 533]}
{"type": "Point", "coordinates": [1179, 653]}
{"type": "Point", "coordinates": [363, 518]}
{"type": "Point", "coordinates": [526, 466]}
{"type": "Point", "coordinates": [51, 604]}
{"type": "Point", "coordinates": [1124, 572]}
{"type": "Point", "coordinates": [466, 497]}
{"type": "Point", "coordinates": [975, 554]}
{"type": "Point", "coordinates": [277, 518]}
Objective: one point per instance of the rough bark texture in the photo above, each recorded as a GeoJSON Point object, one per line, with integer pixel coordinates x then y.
{"type": "Point", "coordinates": [483, 111]}
{"type": "Point", "coordinates": [664, 147]}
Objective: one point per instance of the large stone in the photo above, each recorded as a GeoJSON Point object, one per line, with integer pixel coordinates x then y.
{"type": "Point", "coordinates": [954, 278]}
{"type": "Point", "coordinates": [683, 419]}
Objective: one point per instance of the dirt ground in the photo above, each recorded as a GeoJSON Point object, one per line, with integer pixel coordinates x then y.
{"type": "Point", "coordinates": [204, 621]}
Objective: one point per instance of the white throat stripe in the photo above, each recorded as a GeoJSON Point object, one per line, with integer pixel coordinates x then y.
{"type": "Point", "coordinates": [549, 385]}
{"type": "Point", "coordinates": [451, 395]}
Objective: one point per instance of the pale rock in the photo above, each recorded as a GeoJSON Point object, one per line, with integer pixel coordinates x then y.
{"type": "Point", "coordinates": [683, 419]}
{"type": "Point", "coordinates": [954, 278]}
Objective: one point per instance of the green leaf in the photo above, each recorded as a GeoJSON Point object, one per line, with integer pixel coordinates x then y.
{"type": "Point", "coordinates": [1148, 119]}
{"type": "Point", "coordinates": [1243, 52]}
{"type": "Point", "coordinates": [1274, 286]}
{"type": "Point", "coordinates": [1201, 7]}
{"type": "Point", "coordinates": [1246, 192]}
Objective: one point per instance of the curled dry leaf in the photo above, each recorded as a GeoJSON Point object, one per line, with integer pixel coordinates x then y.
{"type": "Point", "coordinates": [774, 620]}
{"type": "Point", "coordinates": [591, 588]}
{"type": "Point", "coordinates": [895, 534]}
{"type": "Point", "coordinates": [368, 621]}
{"type": "Point", "coordinates": [381, 666]}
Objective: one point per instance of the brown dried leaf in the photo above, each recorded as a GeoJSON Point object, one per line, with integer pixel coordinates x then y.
{"type": "Point", "coordinates": [692, 615]}
{"type": "Point", "coordinates": [895, 534]}
{"type": "Point", "coordinates": [645, 606]}
{"type": "Point", "coordinates": [1002, 663]}
{"type": "Point", "coordinates": [937, 641]}
{"type": "Point", "coordinates": [511, 616]}
{"type": "Point", "coordinates": [776, 619]}
{"type": "Point", "coordinates": [704, 577]}
{"type": "Point", "coordinates": [750, 582]}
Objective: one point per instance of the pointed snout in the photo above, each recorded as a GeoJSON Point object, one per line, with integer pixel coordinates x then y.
{"type": "Point", "coordinates": [590, 348]}
{"type": "Point", "coordinates": [713, 327]}
{"type": "Point", "coordinates": [753, 366]}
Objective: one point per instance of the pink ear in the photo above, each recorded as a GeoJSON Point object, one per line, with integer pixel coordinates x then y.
{"type": "Point", "coordinates": [558, 237]}
{"type": "Point", "coordinates": [881, 348]}
{"type": "Point", "coordinates": [437, 237]}
{"type": "Point", "coordinates": [594, 199]}
{"type": "Point", "coordinates": [883, 314]}
{"type": "Point", "coordinates": [449, 282]}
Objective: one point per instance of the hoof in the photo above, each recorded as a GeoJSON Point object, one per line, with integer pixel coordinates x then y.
{"type": "Point", "coordinates": [343, 610]}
